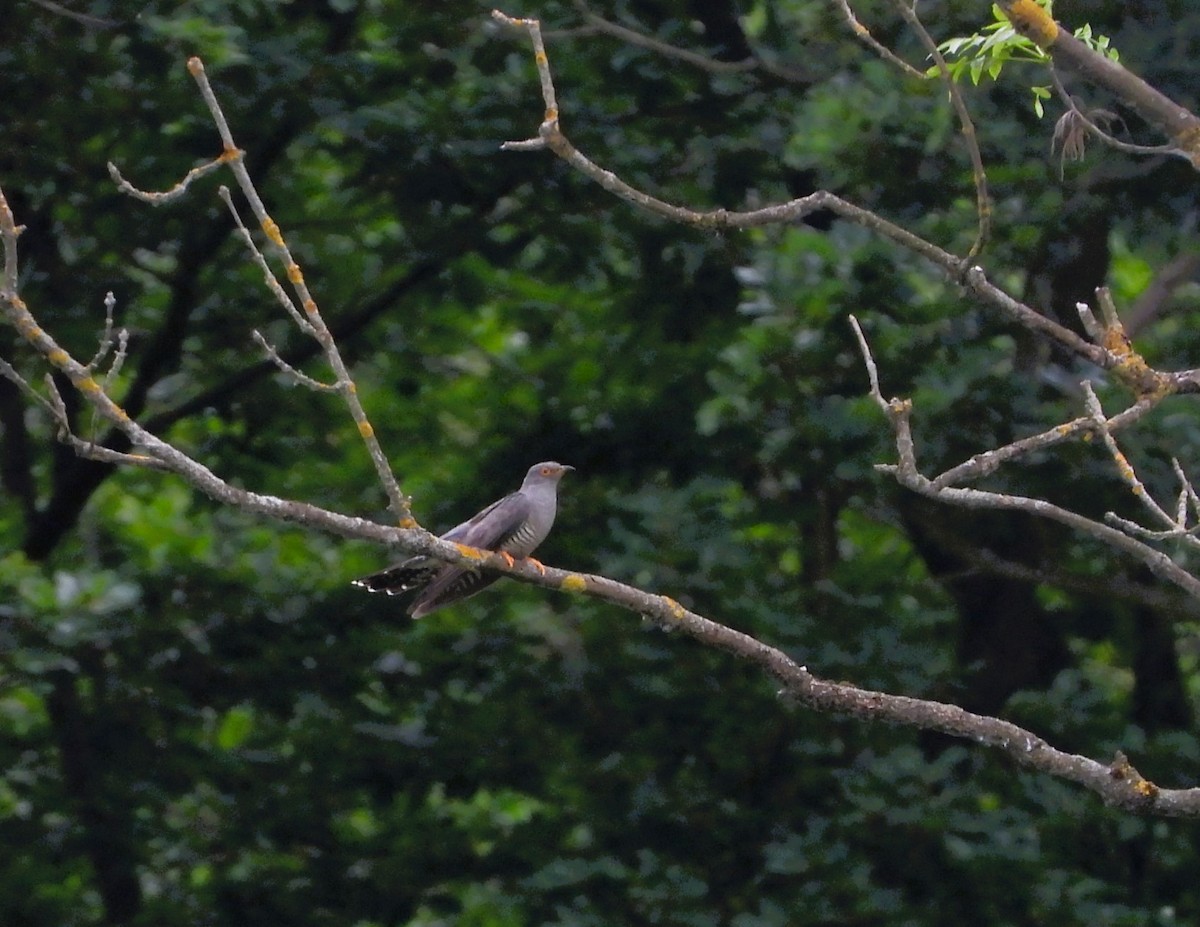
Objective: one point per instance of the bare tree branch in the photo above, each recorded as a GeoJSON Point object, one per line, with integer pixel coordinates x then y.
{"type": "Point", "coordinates": [973, 278]}
{"type": "Point", "coordinates": [311, 322]}
{"type": "Point", "coordinates": [908, 474]}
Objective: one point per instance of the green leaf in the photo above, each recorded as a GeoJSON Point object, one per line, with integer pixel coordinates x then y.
{"type": "Point", "coordinates": [235, 727]}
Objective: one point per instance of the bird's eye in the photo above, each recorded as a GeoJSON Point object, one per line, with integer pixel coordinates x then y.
{"type": "Point", "coordinates": [545, 471]}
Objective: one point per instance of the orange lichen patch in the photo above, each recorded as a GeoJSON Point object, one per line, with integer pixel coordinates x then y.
{"type": "Point", "coordinates": [1134, 366]}
{"type": "Point", "coordinates": [573, 582]}
{"type": "Point", "coordinates": [677, 610]}
{"type": "Point", "coordinates": [471, 553]}
{"type": "Point", "coordinates": [409, 522]}
{"type": "Point", "coordinates": [365, 429]}
{"type": "Point", "coordinates": [1116, 341]}
{"type": "Point", "coordinates": [1032, 21]}
{"type": "Point", "coordinates": [1128, 474]}
{"type": "Point", "coordinates": [1146, 788]}
{"type": "Point", "coordinates": [272, 230]}
{"type": "Point", "coordinates": [1189, 141]}
{"type": "Point", "coordinates": [229, 154]}
{"type": "Point", "coordinates": [295, 274]}
{"type": "Point", "coordinates": [1137, 375]}
{"type": "Point", "coordinates": [87, 385]}
{"type": "Point", "coordinates": [310, 306]}
{"type": "Point", "coordinates": [195, 66]}
{"type": "Point", "coordinates": [1189, 138]}
{"type": "Point", "coordinates": [58, 358]}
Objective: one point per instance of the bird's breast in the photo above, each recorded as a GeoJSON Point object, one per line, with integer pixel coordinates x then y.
{"type": "Point", "coordinates": [530, 533]}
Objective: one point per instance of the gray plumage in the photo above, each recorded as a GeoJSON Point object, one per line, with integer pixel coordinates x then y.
{"type": "Point", "coordinates": [514, 525]}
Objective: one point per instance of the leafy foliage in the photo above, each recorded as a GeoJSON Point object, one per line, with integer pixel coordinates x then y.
{"type": "Point", "coordinates": [204, 724]}
{"type": "Point", "coordinates": [998, 43]}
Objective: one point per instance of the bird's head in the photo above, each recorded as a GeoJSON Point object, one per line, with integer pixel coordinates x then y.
{"type": "Point", "coordinates": [548, 471]}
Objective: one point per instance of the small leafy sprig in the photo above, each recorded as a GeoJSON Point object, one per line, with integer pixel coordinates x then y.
{"type": "Point", "coordinates": [996, 44]}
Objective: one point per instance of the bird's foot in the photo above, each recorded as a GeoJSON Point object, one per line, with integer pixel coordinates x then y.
{"type": "Point", "coordinates": [508, 558]}
{"type": "Point", "coordinates": [538, 565]}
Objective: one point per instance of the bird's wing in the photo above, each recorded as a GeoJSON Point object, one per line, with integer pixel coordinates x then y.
{"type": "Point", "coordinates": [494, 525]}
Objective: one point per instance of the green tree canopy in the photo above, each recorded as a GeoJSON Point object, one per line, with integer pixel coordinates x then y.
{"type": "Point", "coordinates": [205, 724]}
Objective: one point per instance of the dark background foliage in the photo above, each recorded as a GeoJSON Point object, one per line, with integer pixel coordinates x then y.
{"type": "Point", "coordinates": [204, 724]}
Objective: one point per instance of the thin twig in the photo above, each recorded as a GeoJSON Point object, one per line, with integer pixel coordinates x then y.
{"type": "Point", "coordinates": [54, 404]}
{"type": "Point", "coordinates": [1105, 137]}
{"type": "Point", "coordinates": [164, 196]}
{"type": "Point", "coordinates": [1170, 534]}
{"type": "Point", "coordinates": [118, 360]}
{"type": "Point", "coordinates": [106, 338]}
{"type": "Point", "coordinates": [1108, 308]}
{"type": "Point", "coordinates": [983, 200]}
{"type": "Point", "coordinates": [863, 34]}
{"type": "Point", "coordinates": [988, 462]}
{"type": "Point", "coordinates": [269, 278]}
{"type": "Point", "coordinates": [868, 361]}
{"type": "Point", "coordinates": [9, 233]}
{"type": "Point", "coordinates": [633, 37]}
{"type": "Point", "coordinates": [289, 370]}
{"type": "Point", "coordinates": [93, 22]}
{"type": "Point", "coordinates": [1103, 587]}
{"type": "Point", "coordinates": [1093, 328]}
{"type": "Point", "coordinates": [1187, 493]}
{"type": "Point", "coordinates": [10, 373]}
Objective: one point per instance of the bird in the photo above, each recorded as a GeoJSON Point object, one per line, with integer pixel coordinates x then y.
{"type": "Point", "coordinates": [513, 526]}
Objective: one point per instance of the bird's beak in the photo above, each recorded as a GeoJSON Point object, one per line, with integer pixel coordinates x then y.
{"type": "Point", "coordinates": [566, 467]}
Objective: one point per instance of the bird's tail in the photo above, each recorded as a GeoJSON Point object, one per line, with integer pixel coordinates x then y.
{"type": "Point", "coordinates": [400, 578]}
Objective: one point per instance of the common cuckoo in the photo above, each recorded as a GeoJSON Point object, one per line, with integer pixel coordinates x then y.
{"type": "Point", "coordinates": [514, 526]}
